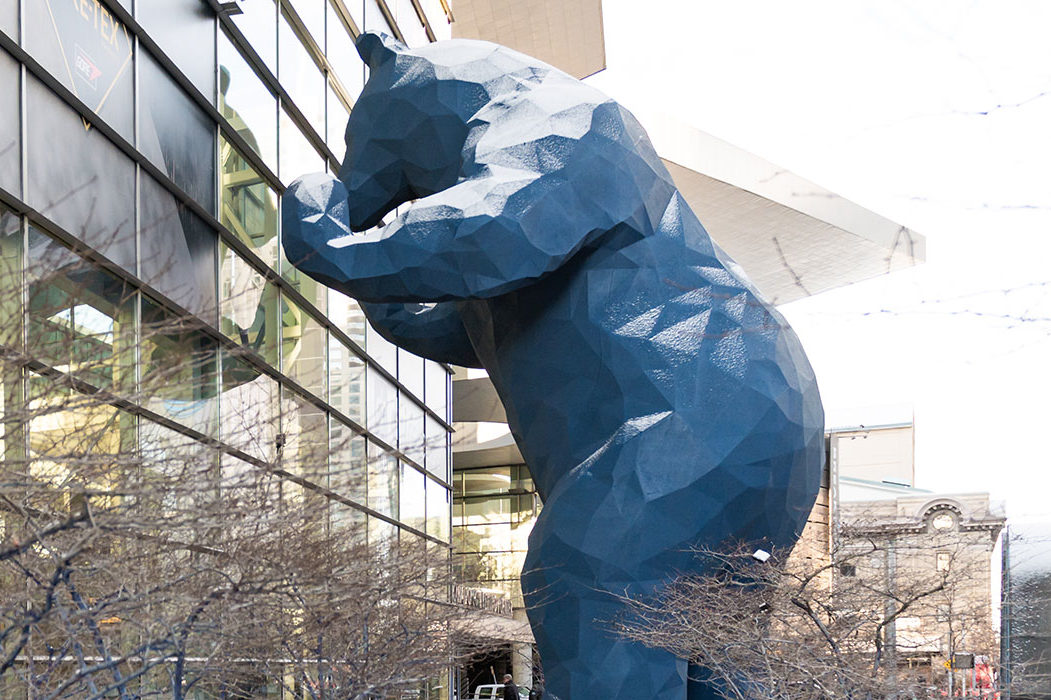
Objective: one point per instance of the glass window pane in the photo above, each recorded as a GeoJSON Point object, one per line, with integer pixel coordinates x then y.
{"type": "Point", "coordinates": [437, 510]}
{"type": "Point", "coordinates": [249, 205]}
{"type": "Point", "coordinates": [305, 427]}
{"type": "Point", "coordinates": [182, 476]}
{"type": "Point", "coordinates": [343, 57]}
{"type": "Point", "coordinates": [249, 306]}
{"type": "Point", "coordinates": [61, 438]}
{"type": "Point", "coordinates": [383, 482]}
{"type": "Point", "coordinates": [249, 409]}
{"type": "Point", "coordinates": [258, 22]}
{"type": "Point", "coordinates": [383, 537]}
{"type": "Point", "coordinates": [437, 18]}
{"type": "Point", "coordinates": [250, 500]}
{"type": "Point", "coordinates": [178, 250]}
{"type": "Point", "coordinates": [381, 350]}
{"type": "Point", "coordinates": [312, 13]}
{"type": "Point", "coordinates": [65, 164]}
{"type": "Point", "coordinates": [356, 8]}
{"type": "Point", "coordinates": [301, 77]}
{"type": "Point", "coordinates": [437, 379]}
{"type": "Point", "coordinates": [175, 134]}
{"type": "Point", "coordinates": [185, 31]}
{"type": "Point", "coordinates": [178, 370]}
{"type": "Point", "coordinates": [410, 430]}
{"type": "Point", "coordinates": [492, 480]}
{"type": "Point", "coordinates": [314, 292]}
{"type": "Point", "coordinates": [347, 315]}
{"type": "Point", "coordinates": [80, 319]}
{"type": "Point", "coordinates": [11, 286]}
{"type": "Point", "coordinates": [413, 498]}
{"type": "Point", "coordinates": [337, 125]}
{"type": "Point", "coordinates": [346, 522]}
{"type": "Point", "coordinates": [10, 125]}
{"type": "Point", "coordinates": [346, 383]}
{"type": "Point", "coordinates": [410, 372]}
{"type": "Point", "coordinates": [381, 397]}
{"type": "Point", "coordinates": [246, 103]}
{"type": "Point", "coordinates": [409, 23]}
{"type": "Point", "coordinates": [9, 19]}
{"type": "Point", "coordinates": [303, 347]}
{"type": "Point", "coordinates": [437, 449]}
{"type": "Point", "coordinates": [298, 157]}
{"type": "Point", "coordinates": [374, 19]}
{"type": "Point", "coordinates": [347, 462]}
{"type": "Point", "coordinates": [89, 51]}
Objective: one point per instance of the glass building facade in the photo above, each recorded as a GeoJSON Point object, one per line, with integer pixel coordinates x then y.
{"type": "Point", "coordinates": [494, 510]}
{"type": "Point", "coordinates": [144, 147]}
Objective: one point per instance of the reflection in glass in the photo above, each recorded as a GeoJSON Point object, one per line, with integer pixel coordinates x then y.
{"type": "Point", "coordinates": [250, 499]}
{"type": "Point", "coordinates": [178, 250]}
{"type": "Point", "coordinates": [381, 398]}
{"type": "Point", "coordinates": [413, 498]}
{"type": "Point", "coordinates": [303, 347]}
{"type": "Point", "coordinates": [347, 315]}
{"type": "Point", "coordinates": [257, 20]}
{"type": "Point", "coordinates": [300, 76]}
{"type": "Point", "coordinates": [11, 249]}
{"type": "Point", "coordinates": [346, 380]}
{"type": "Point", "coordinates": [10, 124]}
{"type": "Point", "coordinates": [249, 417]}
{"type": "Point", "coordinates": [298, 157]}
{"type": "Point", "coordinates": [185, 31]}
{"type": "Point", "coordinates": [175, 134]}
{"type": "Point", "coordinates": [383, 536]}
{"type": "Point", "coordinates": [305, 427]}
{"type": "Point", "coordinates": [347, 462]}
{"type": "Point", "coordinates": [65, 165]}
{"type": "Point", "coordinates": [80, 319]}
{"type": "Point", "coordinates": [89, 51]}
{"type": "Point", "coordinates": [248, 106]}
{"type": "Point", "coordinates": [74, 446]}
{"type": "Point", "coordinates": [178, 369]}
{"type": "Point", "coordinates": [249, 306]}
{"type": "Point", "coordinates": [381, 350]}
{"type": "Point", "coordinates": [314, 292]}
{"type": "Point", "coordinates": [347, 522]}
{"type": "Point", "coordinates": [437, 510]}
{"type": "Point", "coordinates": [437, 449]}
{"type": "Point", "coordinates": [249, 206]}
{"type": "Point", "coordinates": [410, 429]}
{"type": "Point", "coordinates": [178, 469]}
{"type": "Point", "coordinates": [383, 482]}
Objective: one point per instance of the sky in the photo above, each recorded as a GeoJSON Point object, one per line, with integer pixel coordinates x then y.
{"type": "Point", "coordinates": [935, 115]}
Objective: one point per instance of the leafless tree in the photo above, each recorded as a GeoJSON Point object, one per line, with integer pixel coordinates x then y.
{"type": "Point", "coordinates": [816, 629]}
{"type": "Point", "coordinates": [152, 546]}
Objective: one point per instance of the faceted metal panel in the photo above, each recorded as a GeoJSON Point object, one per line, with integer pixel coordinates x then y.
{"type": "Point", "coordinates": [660, 403]}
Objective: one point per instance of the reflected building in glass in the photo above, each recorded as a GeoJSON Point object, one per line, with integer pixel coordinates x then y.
{"type": "Point", "coordinates": [144, 148]}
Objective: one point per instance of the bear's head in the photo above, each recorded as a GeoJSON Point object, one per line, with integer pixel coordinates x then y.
{"type": "Point", "coordinates": [408, 127]}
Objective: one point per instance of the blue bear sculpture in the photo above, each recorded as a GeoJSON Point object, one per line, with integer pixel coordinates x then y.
{"type": "Point", "coordinates": [659, 402]}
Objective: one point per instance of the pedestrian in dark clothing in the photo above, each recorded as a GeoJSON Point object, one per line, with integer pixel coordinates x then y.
{"type": "Point", "coordinates": [537, 691]}
{"type": "Point", "coordinates": [510, 689]}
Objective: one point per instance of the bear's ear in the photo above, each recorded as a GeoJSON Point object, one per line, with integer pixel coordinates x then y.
{"type": "Point", "coordinates": [376, 48]}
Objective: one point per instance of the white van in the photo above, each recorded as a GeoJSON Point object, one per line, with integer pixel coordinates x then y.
{"type": "Point", "coordinates": [495, 691]}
